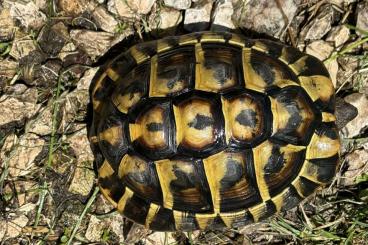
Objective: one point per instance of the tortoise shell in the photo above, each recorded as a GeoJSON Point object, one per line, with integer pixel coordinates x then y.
{"type": "Point", "coordinates": [209, 130]}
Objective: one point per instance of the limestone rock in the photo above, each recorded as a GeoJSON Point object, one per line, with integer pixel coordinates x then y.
{"type": "Point", "coordinates": [265, 16]}
{"type": "Point", "coordinates": [73, 8]}
{"type": "Point", "coordinates": [7, 25]}
{"type": "Point", "coordinates": [22, 160]}
{"type": "Point", "coordinates": [16, 111]}
{"type": "Point", "coordinates": [338, 35]}
{"type": "Point", "coordinates": [104, 19]}
{"type": "Point", "coordinates": [178, 4]}
{"type": "Point", "coordinates": [198, 17]}
{"type": "Point", "coordinates": [223, 14]}
{"type": "Point", "coordinates": [28, 14]}
{"type": "Point", "coordinates": [320, 24]}
{"type": "Point", "coordinates": [130, 8]}
{"type": "Point", "coordinates": [357, 125]}
{"type": "Point", "coordinates": [22, 47]}
{"type": "Point", "coordinates": [357, 165]}
{"type": "Point", "coordinates": [165, 18]}
{"type": "Point", "coordinates": [102, 41]}
{"type": "Point", "coordinates": [362, 17]}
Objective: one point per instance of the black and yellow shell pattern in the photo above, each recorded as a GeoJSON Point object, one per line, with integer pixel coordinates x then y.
{"type": "Point", "coordinates": [208, 130]}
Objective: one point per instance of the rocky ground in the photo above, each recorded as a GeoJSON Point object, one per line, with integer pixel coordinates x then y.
{"type": "Point", "coordinates": [49, 51]}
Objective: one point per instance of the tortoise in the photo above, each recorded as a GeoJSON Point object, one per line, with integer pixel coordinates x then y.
{"type": "Point", "coordinates": [211, 129]}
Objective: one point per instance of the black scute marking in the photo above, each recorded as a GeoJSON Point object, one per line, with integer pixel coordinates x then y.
{"type": "Point", "coordinates": [270, 209]}
{"type": "Point", "coordinates": [276, 161]}
{"type": "Point", "coordinates": [105, 90]}
{"type": "Point", "coordinates": [163, 220]}
{"type": "Point", "coordinates": [234, 172]}
{"type": "Point", "coordinates": [149, 48]}
{"type": "Point", "coordinates": [264, 70]}
{"type": "Point", "coordinates": [185, 181]}
{"type": "Point", "coordinates": [201, 122]}
{"type": "Point", "coordinates": [221, 70]}
{"type": "Point", "coordinates": [173, 75]}
{"type": "Point", "coordinates": [182, 181]}
{"type": "Point", "coordinates": [329, 130]}
{"type": "Point", "coordinates": [136, 209]}
{"type": "Point", "coordinates": [154, 127]}
{"type": "Point", "coordinates": [314, 66]}
{"type": "Point", "coordinates": [326, 167]}
{"type": "Point", "coordinates": [113, 184]}
{"type": "Point", "coordinates": [307, 186]}
{"type": "Point", "coordinates": [291, 199]}
{"type": "Point", "coordinates": [247, 117]}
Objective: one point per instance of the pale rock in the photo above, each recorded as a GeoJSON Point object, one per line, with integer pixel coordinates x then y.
{"type": "Point", "coordinates": [81, 147]}
{"type": "Point", "coordinates": [42, 124]}
{"type": "Point", "coordinates": [22, 92]}
{"type": "Point", "coordinates": [338, 35]}
{"type": "Point", "coordinates": [95, 229]}
{"type": "Point", "coordinates": [223, 14]}
{"type": "Point", "coordinates": [178, 4]}
{"type": "Point", "coordinates": [360, 123]}
{"type": "Point", "coordinates": [8, 145]}
{"type": "Point", "coordinates": [22, 161]}
{"type": "Point", "coordinates": [198, 17]}
{"type": "Point", "coordinates": [348, 67]}
{"type": "Point", "coordinates": [7, 25]}
{"type": "Point", "coordinates": [102, 41]}
{"type": "Point", "coordinates": [72, 7]}
{"type": "Point", "coordinates": [320, 24]}
{"type": "Point", "coordinates": [165, 18]}
{"type": "Point", "coordinates": [84, 175]}
{"type": "Point", "coordinates": [42, 4]}
{"type": "Point", "coordinates": [8, 69]}
{"type": "Point", "coordinates": [22, 47]}
{"type": "Point", "coordinates": [357, 165]}
{"type": "Point", "coordinates": [322, 50]}
{"type": "Point", "coordinates": [158, 238]}
{"type": "Point", "coordinates": [14, 226]}
{"type": "Point", "coordinates": [264, 16]}
{"type": "Point", "coordinates": [24, 196]}
{"type": "Point", "coordinates": [83, 180]}
{"type": "Point", "coordinates": [28, 14]}
{"type": "Point", "coordinates": [2, 229]}
{"type": "Point", "coordinates": [14, 110]}
{"type": "Point", "coordinates": [116, 224]}
{"type": "Point", "coordinates": [362, 17]}
{"type": "Point", "coordinates": [104, 19]}
{"type": "Point", "coordinates": [130, 8]}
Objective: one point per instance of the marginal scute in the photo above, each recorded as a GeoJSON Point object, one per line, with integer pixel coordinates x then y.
{"type": "Point", "coordinates": [131, 88]}
{"type": "Point", "coordinates": [276, 166]}
{"type": "Point", "coordinates": [294, 117]}
{"type": "Point", "coordinates": [141, 177]}
{"type": "Point", "coordinates": [324, 143]}
{"type": "Point", "coordinates": [184, 185]}
{"type": "Point", "coordinates": [111, 137]}
{"type": "Point", "coordinates": [230, 182]}
{"type": "Point", "coordinates": [218, 67]}
{"type": "Point", "coordinates": [172, 73]}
